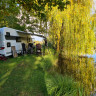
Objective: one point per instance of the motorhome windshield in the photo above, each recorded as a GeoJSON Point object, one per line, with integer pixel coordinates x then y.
{"type": "Point", "coordinates": [0, 40]}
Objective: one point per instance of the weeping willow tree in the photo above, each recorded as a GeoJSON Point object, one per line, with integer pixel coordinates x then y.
{"type": "Point", "coordinates": [70, 29]}
{"type": "Point", "coordinates": [72, 34]}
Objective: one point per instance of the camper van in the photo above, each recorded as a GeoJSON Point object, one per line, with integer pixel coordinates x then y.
{"type": "Point", "coordinates": [13, 39]}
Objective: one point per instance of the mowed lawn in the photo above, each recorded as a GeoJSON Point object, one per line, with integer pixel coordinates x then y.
{"type": "Point", "coordinates": [24, 76]}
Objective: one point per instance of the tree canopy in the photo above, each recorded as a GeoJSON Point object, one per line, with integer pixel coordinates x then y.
{"type": "Point", "coordinates": [38, 6]}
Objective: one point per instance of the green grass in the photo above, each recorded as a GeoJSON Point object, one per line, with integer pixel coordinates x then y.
{"type": "Point", "coordinates": [22, 76]}
{"type": "Point", "coordinates": [32, 75]}
{"type": "Point", "coordinates": [58, 85]}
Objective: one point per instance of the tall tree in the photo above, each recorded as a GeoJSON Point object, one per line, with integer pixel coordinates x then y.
{"type": "Point", "coordinates": [71, 32]}
{"type": "Point", "coordinates": [77, 36]}
{"type": "Point", "coordinates": [7, 8]}
{"type": "Point", "coordinates": [37, 7]}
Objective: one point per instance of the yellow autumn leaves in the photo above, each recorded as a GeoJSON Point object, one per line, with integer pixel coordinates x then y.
{"type": "Point", "coordinates": [77, 28]}
{"type": "Point", "coordinates": [71, 31]}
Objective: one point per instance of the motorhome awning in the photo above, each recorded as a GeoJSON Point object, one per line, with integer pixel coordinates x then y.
{"type": "Point", "coordinates": [23, 32]}
{"type": "Point", "coordinates": [30, 33]}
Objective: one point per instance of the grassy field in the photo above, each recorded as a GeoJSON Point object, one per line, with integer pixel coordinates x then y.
{"type": "Point", "coordinates": [22, 76]}
{"type": "Point", "coordinates": [32, 75]}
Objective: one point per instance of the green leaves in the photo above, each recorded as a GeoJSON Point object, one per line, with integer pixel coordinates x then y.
{"type": "Point", "coordinates": [38, 6]}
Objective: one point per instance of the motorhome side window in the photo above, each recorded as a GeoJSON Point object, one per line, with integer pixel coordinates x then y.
{"type": "Point", "coordinates": [18, 39]}
{"type": "Point", "coordinates": [8, 44]}
{"type": "Point", "coordinates": [7, 33]}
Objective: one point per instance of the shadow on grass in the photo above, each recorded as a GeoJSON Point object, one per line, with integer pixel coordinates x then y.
{"type": "Point", "coordinates": [22, 78]}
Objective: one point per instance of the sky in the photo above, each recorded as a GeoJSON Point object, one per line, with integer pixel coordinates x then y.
{"type": "Point", "coordinates": [94, 7]}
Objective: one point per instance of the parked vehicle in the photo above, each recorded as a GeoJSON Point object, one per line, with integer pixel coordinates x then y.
{"type": "Point", "coordinates": [12, 39]}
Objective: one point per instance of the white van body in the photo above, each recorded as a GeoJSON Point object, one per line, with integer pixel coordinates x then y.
{"type": "Point", "coordinates": [11, 37]}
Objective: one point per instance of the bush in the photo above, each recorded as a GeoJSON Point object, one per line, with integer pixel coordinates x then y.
{"type": "Point", "coordinates": [47, 63]}
{"type": "Point", "coordinates": [59, 85]}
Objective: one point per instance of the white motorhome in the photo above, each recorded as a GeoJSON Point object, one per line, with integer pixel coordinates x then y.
{"type": "Point", "coordinates": [11, 37]}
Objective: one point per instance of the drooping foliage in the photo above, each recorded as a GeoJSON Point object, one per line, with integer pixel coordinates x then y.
{"type": "Point", "coordinates": [71, 28]}
{"type": "Point", "coordinates": [72, 34]}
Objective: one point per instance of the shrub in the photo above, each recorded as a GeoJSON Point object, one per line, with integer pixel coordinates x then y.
{"type": "Point", "coordinates": [59, 85]}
